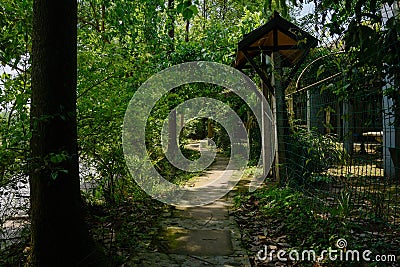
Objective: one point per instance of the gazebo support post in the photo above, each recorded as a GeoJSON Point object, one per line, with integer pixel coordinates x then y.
{"type": "Point", "coordinates": [263, 141]}
{"type": "Point", "coordinates": [280, 120]}
{"type": "Point", "coordinates": [266, 145]}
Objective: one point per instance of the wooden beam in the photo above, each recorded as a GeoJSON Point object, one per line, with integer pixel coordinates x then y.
{"type": "Point", "coordinates": [259, 72]}
{"type": "Point", "coordinates": [275, 34]}
{"type": "Point", "coordinates": [271, 48]}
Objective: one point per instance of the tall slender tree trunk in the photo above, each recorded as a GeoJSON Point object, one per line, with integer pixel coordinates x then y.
{"type": "Point", "coordinates": [171, 24]}
{"type": "Point", "coordinates": [224, 9]}
{"type": "Point", "coordinates": [187, 26]}
{"type": "Point", "coordinates": [187, 31]}
{"type": "Point", "coordinates": [58, 233]}
{"type": "Point", "coordinates": [172, 142]}
{"type": "Point", "coordinates": [204, 13]}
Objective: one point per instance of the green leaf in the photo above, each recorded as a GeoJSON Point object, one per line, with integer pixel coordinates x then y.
{"type": "Point", "coordinates": [57, 158]}
{"type": "Point", "coordinates": [54, 158]}
{"type": "Point", "coordinates": [284, 7]}
{"type": "Point", "coordinates": [54, 175]}
{"type": "Point", "coordinates": [187, 9]}
{"type": "Point", "coordinates": [187, 14]}
{"type": "Point", "coordinates": [194, 9]}
{"type": "Point", "coordinates": [268, 4]}
{"type": "Point", "coordinates": [182, 6]}
{"type": "Point", "coordinates": [320, 70]}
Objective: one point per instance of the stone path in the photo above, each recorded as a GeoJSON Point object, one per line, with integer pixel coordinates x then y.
{"type": "Point", "coordinates": [198, 236]}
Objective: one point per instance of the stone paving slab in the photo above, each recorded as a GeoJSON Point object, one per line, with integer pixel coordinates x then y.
{"type": "Point", "coordinates": [217, 210]}
{"type": "Point", "coordinates": [198, 242]}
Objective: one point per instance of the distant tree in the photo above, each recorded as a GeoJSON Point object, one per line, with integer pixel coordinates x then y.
{"type": "Point", "coordinates": [58, 233]}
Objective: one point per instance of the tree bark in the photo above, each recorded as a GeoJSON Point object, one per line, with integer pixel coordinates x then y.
{"type": "Point", "coordinates": [204, 13]}
{"type": "Point", "coordinates": [187, 28]}
{"type": "Point", "coordinates": [171, 24]}
{"type": "Point", "coordinates": [59, 236]}
{"type": "Point", "coordinates": [187, 31]}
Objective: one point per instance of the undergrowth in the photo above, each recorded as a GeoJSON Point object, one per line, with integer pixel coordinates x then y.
{"type": "Point", "coordinates": [304, 223]}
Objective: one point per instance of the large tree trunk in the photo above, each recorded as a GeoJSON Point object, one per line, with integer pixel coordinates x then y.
{"type": "Point", "coordinates": [59, 236]}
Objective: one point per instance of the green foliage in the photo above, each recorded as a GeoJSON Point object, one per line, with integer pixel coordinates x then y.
{"type": "Point", "coordinates": [195, 129]}
{"type": "Point", "coordinates": [312, 153]}
{"type": "Point", "coordinates": [173, 174]}
{"type": "Point", "coordinates": [15, 25]}
{"type": "Point", "coordinates": [222, 139]}
{"type": "Point", "coordinates": [187, 9]}
{"type": "Point", "coordinates": [371, 44]}
{"type": "Point", "coordinates": [306, 223]}
{"type": "Point", "coordinates": [120, 45]}
{"type": "Point", "coordinates": [15, 45]}
{"type": "Point", "coordinates": [123, 43]}
{"type": "Point", "coordinates": [278, 5]}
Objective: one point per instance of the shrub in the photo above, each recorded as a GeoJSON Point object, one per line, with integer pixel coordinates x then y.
{"type": "Point", "coordinates": [311, 153]}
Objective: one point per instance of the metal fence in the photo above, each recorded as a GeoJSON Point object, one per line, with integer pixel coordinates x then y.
{"type": "Point", "coordinates": [345, 148]}
{"type": "Point", "coordinates": [348, 152]}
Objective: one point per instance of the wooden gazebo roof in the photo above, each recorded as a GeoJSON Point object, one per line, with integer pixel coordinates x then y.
{"type": "Point", "coordinates": [278, 35]}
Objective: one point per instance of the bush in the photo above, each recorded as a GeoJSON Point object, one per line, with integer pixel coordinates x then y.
{"type": "Point", "coordinates": [311, 153]}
